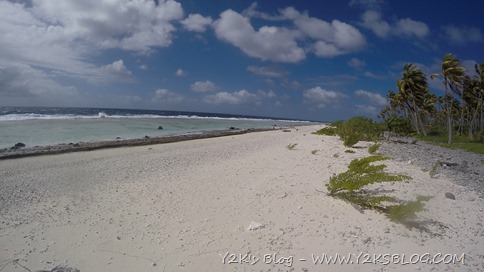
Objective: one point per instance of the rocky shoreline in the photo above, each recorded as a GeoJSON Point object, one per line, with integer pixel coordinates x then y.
{"type": "Point", "coordinates": [19, 150]}
{"type": "Point", "coordinates": [463, 167]}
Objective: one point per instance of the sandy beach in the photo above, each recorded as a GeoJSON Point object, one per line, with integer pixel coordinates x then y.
{"type": "Point", "coordinates": [188, 206]}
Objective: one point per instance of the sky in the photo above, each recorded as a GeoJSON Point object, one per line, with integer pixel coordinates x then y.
{"type": "Point", "coordinates": [312, 60]}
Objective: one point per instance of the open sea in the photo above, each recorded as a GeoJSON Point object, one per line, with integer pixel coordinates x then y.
{"type": "Point", "coordinates": [47, 126]}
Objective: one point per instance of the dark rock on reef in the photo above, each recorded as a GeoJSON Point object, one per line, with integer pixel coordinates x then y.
{"type": "Point", "coordinates": [147, 137]}
{"type": "Point", "coordinates": [450, 195]}
{"type": "Point", "coordinates": [160, 127]}
{"type": "Point", "coordinates": [18, 145]}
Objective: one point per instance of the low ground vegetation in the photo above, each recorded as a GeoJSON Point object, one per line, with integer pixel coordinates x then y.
{"type": "Point", "coordinates": [350, 186]}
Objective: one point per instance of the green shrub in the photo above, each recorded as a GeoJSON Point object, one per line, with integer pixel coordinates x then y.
{"type": "Point", "coordinates": [359, 129]}
{"type": "Point", "coordinates": [398, 125]}
{"type": "Point", "coordinates": [329, 131]}
{"type": "Point", "coordinates": [314, 151]}
{"type": "Point", "coordinates": [349, 151]}
{"type": "Point", "coordinates": [373, 148]}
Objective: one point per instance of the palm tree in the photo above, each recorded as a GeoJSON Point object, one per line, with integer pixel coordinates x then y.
{"type": "Point", "coordinates": [413, 89]}
{"type": "Point", "coordinates": [452, 74]}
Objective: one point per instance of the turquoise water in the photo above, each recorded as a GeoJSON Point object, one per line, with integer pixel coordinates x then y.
{"type": "Point", "coordinates": [34, 132]}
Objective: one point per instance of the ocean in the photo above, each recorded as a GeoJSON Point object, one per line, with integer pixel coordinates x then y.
{"type": "Point", "coordinates": [39, 126]}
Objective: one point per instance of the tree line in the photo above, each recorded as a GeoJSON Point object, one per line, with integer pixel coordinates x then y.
{"type": "Point", "coordinates": [459, 111]}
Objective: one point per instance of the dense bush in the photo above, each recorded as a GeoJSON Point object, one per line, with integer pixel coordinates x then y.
{"type": "Point", "coordinates": [398, 125]}
{"type": "Point", "coordinates": [359, 129]}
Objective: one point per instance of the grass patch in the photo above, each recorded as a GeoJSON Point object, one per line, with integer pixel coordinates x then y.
{"type": "Point", "coordinates": [291, 146]}
{"type": "Point", "coordinates": [314, 151]}
{"type": "Point", "coordinates": [373, 148]}
{"type": "Point", "coordinates": [335, 155]}
{"type": "Point", "coordinates": [349, 151]}
{"type": "Point", "coordinates": [459, 142]}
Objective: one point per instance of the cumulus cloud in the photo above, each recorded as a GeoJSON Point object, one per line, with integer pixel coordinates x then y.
{"type": "Point", "coordinates": [22, 81]}
{"type": "Point", "coordinates": [234, 98]}
{"type": "Point", "coordinates": [332, 39]}
{"type": "Point", "coordinates": [309, 34]}
{"type": "Point", "coordinates": [373, 98]}
{"type": "Point", "coordinates": [117, 69]}
{"type": "Point", "coordinates": [407, 27]}
{"type": "Point", "coordinates": [164, 95]}
{"type": "Point", "coordinates": [130, 25]}
{"type": "Point", "coordinates": [461, 35]}
{"type": "Point", "coordinates": [267, 71]}
{"type": "Point", "coordinates": [356, 63]}
{"type": "Point", "coordinates": [196, 23]}
{"type": "Point", "coordinates": [266, 43]}
{"type": "Point", "coordinates": [252, 11]}
{"type": "Point", "coordinates": [62, 36]}
{"type": "Point", "coordinates": [203, 86]}
{"type": "Point", "coordinates": [372, 20]}
{"type": "Point", "coordinates": [321, 97]}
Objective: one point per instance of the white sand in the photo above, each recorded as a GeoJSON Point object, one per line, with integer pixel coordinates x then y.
{"type": "Point", "coordinates": [183, 206]}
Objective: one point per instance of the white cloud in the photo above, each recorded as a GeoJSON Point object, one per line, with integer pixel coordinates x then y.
{"type": "Point", "coordinates": [267, 43]}
{"type": "Point", "coordinates": [130, 25]}
{"type": "Point", "coordinates": [372, 20]}
{"type": "Point", "coordinates": [164, 95]}
{"type": "Point", "coordinates": [321, 97]}
{"type": "Point", "coordinates": [332, 39]}
{"type": "Point", "coordinates": [203, 86]}
{"type": "Point", "coordinates": [61, 37]}
{"type": "Point", "coordinates": [409, 27]}
{"type": "Point", "coordinates": [267, 71]}
{"type": "Point", "coordinates": [356, 63]}
{"type": "Point", "coordinates": [22, 81]}
{"type": "Point", "coordinates": [196, 23]}
{"type": "Point", "coordinates": [180, 73]}
{"type": "Point", "coordinates": [252, 11]}
{"type": "Point", "coordinates": [374, 98]}
{"type": "Point", "coordinates": [117, 69]}
{"type": "Point", "coordinates": [461, 35]}
{"type": "Point", "coordinates": [235, 98]}
{"type": "Point", "coordinates": [143, 67]}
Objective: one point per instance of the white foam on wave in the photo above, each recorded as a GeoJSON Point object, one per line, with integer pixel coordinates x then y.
{"type": "Point", "coordinates": [36, 116]}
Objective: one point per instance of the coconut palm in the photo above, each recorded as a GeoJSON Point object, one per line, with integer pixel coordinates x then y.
{"type": "Point", "coordinates": [452, 75]}
{"type": "Point", "coordinates": [413, 89]}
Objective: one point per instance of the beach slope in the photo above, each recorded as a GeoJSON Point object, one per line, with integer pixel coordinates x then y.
{"type": "Point", "coordinates": [235, 203]}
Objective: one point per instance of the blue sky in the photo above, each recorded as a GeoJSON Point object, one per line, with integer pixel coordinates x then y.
{"type": "Point", "coordinates": [312, 59]}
